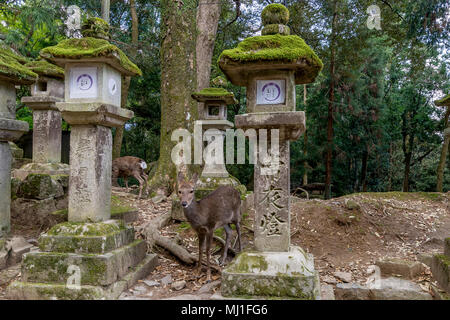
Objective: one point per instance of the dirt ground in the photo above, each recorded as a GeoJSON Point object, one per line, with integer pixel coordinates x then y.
{"type": "Point", "coordinates": [344, 234]}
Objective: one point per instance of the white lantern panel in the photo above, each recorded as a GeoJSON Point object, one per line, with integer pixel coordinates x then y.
{"type": "Point", "coordinates": [83, 83]}
{"type": "Point", "coordinates": [270, 91]}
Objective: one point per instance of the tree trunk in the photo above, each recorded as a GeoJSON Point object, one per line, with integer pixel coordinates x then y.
{"type": "Point", "coordinates": [407, 164]}
{"type": "Point", "coordinates": [178, 81]}
{"type": "Point", "coordinates": [391, 163]}
{"type": "Point", "coordinates": [442, 160]}
{"type": "Point", "coordinates": [105, 10]}
{"type": "Point", "coordinates": [208, 14]}
{"type": "Point", "coordinates": [328, 164]}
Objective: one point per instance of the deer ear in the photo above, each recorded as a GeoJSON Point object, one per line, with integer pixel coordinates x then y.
{"type": "Point", "coordinates": [180, 176]}
{"type": "Point", "coordinates": [195, 178]}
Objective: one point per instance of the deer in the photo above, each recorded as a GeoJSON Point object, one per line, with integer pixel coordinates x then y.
{"type": "Point", "coordinates": [129, 166]}
{"type": "Point", "coordinates": [220, 208]}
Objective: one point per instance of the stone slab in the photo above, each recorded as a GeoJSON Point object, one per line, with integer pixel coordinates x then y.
{"type": "Point", "coordinates": [73, 243]}
{"type": "Point", "coordinates": [399, 267]}
{"type": "Point", "coordinates": [11, 130]}
{"type": "Point", "coordinates": [440, 267]}
{"type": "Point", "coordinates": [272, 274]}
{"type": "Point", "coordinates": [59, 291]}
{"type": "Point", "coordinates": [293, 121]}
{"type": "Point", "coordinates": [41, 102]}
{"type": "Point", "coordinates": [76, 113]}
{"type": "Point", "coordinates": [95, 269]}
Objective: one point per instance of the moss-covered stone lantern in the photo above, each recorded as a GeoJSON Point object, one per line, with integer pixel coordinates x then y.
{"type": "Point", "coordinates": [12, 73]}
{"type": "Point", "coordinates": [270, 66]}
{"type": "Point", "coordinates": [90, 256]}
{"type": "Point", "coordinates": [47, 121]}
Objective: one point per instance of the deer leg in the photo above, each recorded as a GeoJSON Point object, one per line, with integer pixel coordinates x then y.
{"type": "Point", "coordinates": [201, 241]}
{"type": "Point", "coordinates": [145, 177]}
{"type": "Point", "coordinates": [126, 183]}
{"type": "Point", "coordinates": [238, 230]}
{"type": "Point", "coordinates": [209, 238]}
{"type": "Point", "coordinates": [141, 183]}
{"type": "Point", "coordinates": [228, 233]}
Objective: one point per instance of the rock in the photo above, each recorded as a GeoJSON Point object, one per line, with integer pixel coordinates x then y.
{"type": "Point", "coordinates": [15, 184]}
{"type": "Point", "coordinates": [439, 294]}
{"type": "Point", "coordinates": [16, 152]}
{"type": "Point", "coordinates": [40, 186]}
{"type": "Point", "coordinates": [151, 283]}
{"type": "Point", "coordinates": [139, 289]}
{"type": "Point", "coordinates": [208, 287]}
{"type": "Point", "coordinates": [352, 205]}
{"type": "Point", "coordinates": [166, 280]}
{"type": "Point", "coordinates": [383, 289]}
{"type": "Point", "coordinates": [17, 246]}
{"type": "Point", "coordinates": [327, 292]}
{"type": "Point", "coordinates": [398, 289]}
{"type": "Point", "coordinates": [343, 276]}
{"type": "Point", "coordinates": [425, 258]}
{"type": "Point", "coordinates": [329, 279]}
{"type": "Point", "coordinates": [30, 212]}
{"type": "Point", "coordinates": [398, 267]}
{"type": "Point", "coordinates": [178, 285]}
{"type": "Point", "coordinates": [9, 274]}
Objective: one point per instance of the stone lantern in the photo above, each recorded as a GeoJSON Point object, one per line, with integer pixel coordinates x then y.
{"type": "Point", "coordinates": [12, 73]}
{"type": "Point", "coordinates": [90, 256]}
{"type": "Point", "coordinates": [47, 121]}
{"type": "Point", "coordinates": [270, 66]}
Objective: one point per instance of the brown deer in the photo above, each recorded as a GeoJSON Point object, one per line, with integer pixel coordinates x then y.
{"type": "Point", "coordinates": [218, 209]}
{"type": "Point", "coordinates": [129, 166]}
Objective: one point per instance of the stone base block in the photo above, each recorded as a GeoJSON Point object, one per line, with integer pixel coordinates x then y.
{"type": "Point", "coordinates": [289, 275]}
{"type": "Point", "coordinates": [95, 269]}
{"type": "Point", "coordinates": [440, 267]}
{"type": "Point", "coordinates": [60, 291]}
{"type": "Point", "coordinates": [41, 168]}
{"type": "Point", "coordinates": [102, 237]}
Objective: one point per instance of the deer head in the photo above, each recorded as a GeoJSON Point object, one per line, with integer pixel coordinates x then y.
{"type": "Point", "coordinates": [186, 189]}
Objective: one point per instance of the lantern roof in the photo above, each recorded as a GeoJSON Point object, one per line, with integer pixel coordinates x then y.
{"type": "Point", "coordinates": [12, 68]}
{"type": "Point", "coordinates": [214, 94]}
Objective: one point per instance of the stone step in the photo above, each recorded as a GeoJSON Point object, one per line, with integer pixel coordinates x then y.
{"type": "Point", "coordinates": [399, 267]}
{"type": "Point", "coordinates": [384, 289]}
{"type": "Point", "coordinates": [20, 290]}
{"type": "Point", "coordinates": [86, 238]}
{"type": "Point", "coordinates": [440, 267]}
{"type": "Point", "coordinates": [95, 269]}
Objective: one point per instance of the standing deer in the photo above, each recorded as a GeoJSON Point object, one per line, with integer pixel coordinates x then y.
{"type": "Point", "coordinates": [218, 209]}
{"type": "Point", "coordinates": [129, 166]}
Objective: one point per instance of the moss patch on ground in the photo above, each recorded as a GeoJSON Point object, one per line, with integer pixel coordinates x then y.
{"type": "Point", "coordinates": [42, 67]}
{"type": "Point", "coordinates": [432, 196]}
{"type": "Point", "coordinates": [89, 48]}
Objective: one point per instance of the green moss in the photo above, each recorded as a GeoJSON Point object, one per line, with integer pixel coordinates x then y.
{"type": "Point", "coordinates": [89, 48]}
{"type": "Point", "coordinates": [44, 68]}
{"type": "Point", "coordinates": [276, 29]}
{"type": "Point", "coordinates": [275, 13]}
{"type": "Point", "coordinates": [272, 48]}
{"type": "Point", "coordinates": [214, 92]}
{"type": "Point", "coordinates": [246, 262]}
{"type": "Point", "coordinates": [11, 66]}
{"type": "Point", "coordinates": [445, 101]}
{"type": "Point", "coordinates": [96, 28]}
{"type": "Point", "coordinates": [433, 196]}
{"type": "Point", "coordinates": [85, 229]}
